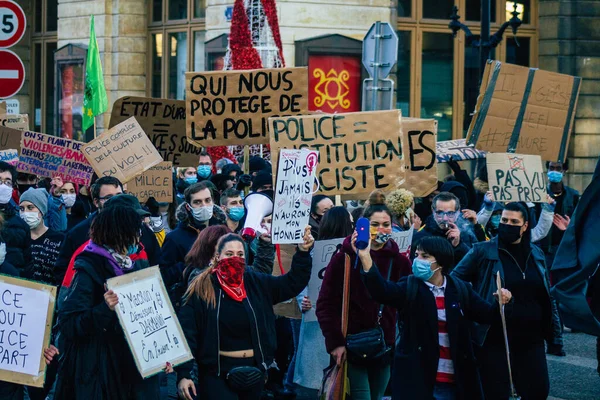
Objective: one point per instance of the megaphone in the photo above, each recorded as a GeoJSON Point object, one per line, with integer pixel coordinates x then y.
{"type": "Point", "coordinates": [258, 205]}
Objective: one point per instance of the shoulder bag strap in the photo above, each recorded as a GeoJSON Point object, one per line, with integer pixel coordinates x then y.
{"type": "Point", "coordinates": [380, 313]}
{"type": "Point", "coordinates": [346, 296]}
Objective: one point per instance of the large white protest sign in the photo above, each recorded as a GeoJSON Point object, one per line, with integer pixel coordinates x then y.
{"type": "Point", "coordinates": [149, 321]}
{"type": "Point", "coordinates": [293, 195]}
{"type": "Point", "coordinates": [516, 177]}
{"type": "Point", "coordinates": [26, 310]}
{"type": "Point", "coordinates": [322, 253]}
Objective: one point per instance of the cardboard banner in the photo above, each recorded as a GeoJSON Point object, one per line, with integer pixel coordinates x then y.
{"type": "Point", "coordinates": [525, 111]}
{"type": "Point", "coordinates": [361, 152]}
{"type": "Point", "coordinates": [51, 156]}
{"type": "Point", "coordinates": [123, 151]}
{"type": "Point", "coordinates": [232, 107]}
{"type": "Point", "coordinates": [322, 253]}
{"type": "Point", "coordinates": [293, 195]}
{"type": "Point", "coordinates": [163, 120]}
{"type": "Point", "coordinates": [155, 182]}
{"type": "Point", "coordinates": [2, 107]}
{"type": "Point", "coordinates": [10, 145]}
{"type": "Point", "coordinates": [516, 177]}
{"type": "Point", "coordinates": [15, 121]}
{"type": "Point", "coordinates": [150, 324]}
{"type": "Point", "coordinates": [457, 150]}
{"type": "Point", "coordinates": [25, 326]}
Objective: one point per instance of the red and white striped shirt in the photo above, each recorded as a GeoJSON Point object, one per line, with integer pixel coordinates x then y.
{"type": "Point", "coordinates": [445, 371]}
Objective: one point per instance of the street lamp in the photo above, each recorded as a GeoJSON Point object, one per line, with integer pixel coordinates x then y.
{"type": "Point", "coordinates": [486, 42]}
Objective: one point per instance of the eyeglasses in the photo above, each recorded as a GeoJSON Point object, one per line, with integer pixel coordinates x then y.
{"type": "Point", "coordinates": [107, 197]}
{"type": "Point", "coordinates": [6, 182]}
{"type": "Point", "coordinates": [448, 214]}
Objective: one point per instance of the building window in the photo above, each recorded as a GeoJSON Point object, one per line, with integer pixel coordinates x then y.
{"type": "Point", "coordinates": [43, 46]}
{"type": "Point", "coordinates": [176, 33]}
{"type": "Point", "coordinates": [436, 75]}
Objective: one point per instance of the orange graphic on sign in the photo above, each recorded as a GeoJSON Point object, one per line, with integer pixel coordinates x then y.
{"type": "Point", "coordinates": [332, 88]}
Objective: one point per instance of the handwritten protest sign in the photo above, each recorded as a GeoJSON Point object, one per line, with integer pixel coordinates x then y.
{"type": "Point", "coordinates": [155, 182]}
{"type": "Point", "coordinates": [232, 107]}
{"type": "Point", "coordinates": [16, 121]}
{"type": "Point", "coordinates": [361, 152]}
{"type": "Point", "coordinates": [2, 107]}
{"type": "Point", "coordinates": [51, 156]}
{"type": "Point", "coordinates": [123, 151]}
{"type": "Point", "coordinates": [293, 195]}
{"type": "Point", "coordinates": [163, 120]}
{"type": "Point", "coordinates": [516, 177]}
{"type": "Point", "coordinates": [149, 321]}
{"type": "Point", "coordinates": [26, 314]}
{"type": "Point", "coordinates": [457, 150]}
{"type": "Point", "coordinates": [322, 253]}
{"type": "Point", "coordinates": [525, 111]}
{"type": "Point", "coordinates": [10, 145]}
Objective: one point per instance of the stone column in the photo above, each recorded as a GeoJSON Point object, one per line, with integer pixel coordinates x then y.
{"type": "Point", "coordinates": [570, 44]}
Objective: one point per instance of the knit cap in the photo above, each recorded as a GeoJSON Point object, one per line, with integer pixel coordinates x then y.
{"type": "Point", "coordinates": [38, 197]}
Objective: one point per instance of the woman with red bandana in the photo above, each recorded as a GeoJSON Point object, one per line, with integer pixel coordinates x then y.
{"type": "Point", "coordinates": [228, 321]}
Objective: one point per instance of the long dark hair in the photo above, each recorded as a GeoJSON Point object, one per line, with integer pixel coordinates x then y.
{"type": "Point", "coordinates": [116, 227]}
{"type": "Point", "coordinates": [203, 250]}
{"type": "Point", "coordinates": [335, 224]}
{"type": "Point", "coordinates": [202, 285]}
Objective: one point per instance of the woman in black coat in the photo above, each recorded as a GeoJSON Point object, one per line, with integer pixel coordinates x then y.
{"type": "Point", "coordinates": [228, 321]}
{"type": "Point", "coordinates": [96, 362]}
{"type": "Point", "coordinates": [434, 359]}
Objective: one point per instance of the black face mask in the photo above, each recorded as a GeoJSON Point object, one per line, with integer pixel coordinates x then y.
{"type": "Point", "coordinates": [24, 187]}
{"type": "Point", "coordinates": [317, 218]}
{"type": "Point", "coordinates": [509, 234]}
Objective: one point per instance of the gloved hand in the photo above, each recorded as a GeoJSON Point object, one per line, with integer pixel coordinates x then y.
{"type": "Point", "coordinates": [244, 181]}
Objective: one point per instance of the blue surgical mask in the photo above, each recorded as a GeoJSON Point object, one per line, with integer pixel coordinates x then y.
{"type": "Point", "coordinates": [236, 213]}
{"type": "Point", "coordinates": [204, 171]}
{"type": "Point", "coordinates": [555, 176]}
{"type": "Point", "coordinates": [422, 269]}
{"type": "Point", "coordinates": [132, 249]}
{"type": "Point", "coordinates": [495, 221]}
{"type": "Point", "coordinates": [190, 180]}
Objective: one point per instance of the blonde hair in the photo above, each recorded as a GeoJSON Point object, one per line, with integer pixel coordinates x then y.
{"type": "Point", "coordinates": [181, 171]}
{"type": "Point", "coordinates": [399, 201]}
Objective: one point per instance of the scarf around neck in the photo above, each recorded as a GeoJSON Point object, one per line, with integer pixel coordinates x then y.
{"type": "Point", "coordinates": [230, 274]}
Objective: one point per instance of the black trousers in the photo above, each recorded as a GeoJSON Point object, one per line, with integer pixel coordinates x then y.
{"type": "Point", "coordinates": [529, 370]}
{"type": "Point", "coordinates": [213, 387]}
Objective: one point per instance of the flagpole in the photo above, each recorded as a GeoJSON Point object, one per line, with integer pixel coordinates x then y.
{"type": "Point", "coordinates": [95, 133]}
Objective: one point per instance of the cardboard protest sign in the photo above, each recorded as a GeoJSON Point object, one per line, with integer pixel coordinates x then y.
{"type": "Point", "coordinates": [155, 182]}
{"type": "Point", "coordinates": [10, 145]}
{"type": "Point", "coordinates": [163, 120]}
{"type": "Point", "coordinates": [2, 107]}
{"type": "Point", "coordinates": [123, 151]}
{"type": "Point", "coordinates": [52, 156]}
{"type": "Point", "coordinates": [232, 107]}
{"type": "Point", "coordinates": [361, 152]}
{"type": "Point", "coordinates": [25, 325]}
{"type": "Point", "coordinates": [293, 195]}
{"type": "Point", "coordinates": [150, 324]}
{"type": "Point", "coordinates": [15, 121]}
{"type": "Point", "coordinates": [525, 111]}
{"type": "Point", "coordinates": [457, 150]}
{"type": "Point", "coordinates": [516, 177]}
{"type": "Point", "coordinates": [322, 253]}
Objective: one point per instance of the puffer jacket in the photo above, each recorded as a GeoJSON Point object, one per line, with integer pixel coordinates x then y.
{"type": "Point", "coordinates": [17, 236]}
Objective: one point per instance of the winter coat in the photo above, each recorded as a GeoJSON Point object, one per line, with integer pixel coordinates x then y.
{"type": "Point", "coordinates": [417, 354]}
{"type": "Point", "coordinates": [96, 363]}
{"type": "Point", "coordinates": [17, 236]}
{"type": "Point", "coordinates": [363, 310]}
{"type": "Point", "coordinates": [431, 228]}
{"type": "Point", "coordinates": [200, 322]}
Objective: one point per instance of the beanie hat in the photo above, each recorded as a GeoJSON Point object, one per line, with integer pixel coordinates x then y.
{"type": "Point", "coordinates": [37, 197]}
{"type": "Point", "coordinates": [262, 178]}
{"type": "Point", "coordinates": [257, 164]}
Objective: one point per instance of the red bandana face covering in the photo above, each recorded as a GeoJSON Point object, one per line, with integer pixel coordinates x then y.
{"type": "Point", "coordinates": [230, 273]}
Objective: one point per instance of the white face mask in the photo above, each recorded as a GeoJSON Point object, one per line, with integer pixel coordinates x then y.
{"type": "Point", "coordinates": [156, 223]}
{"type": "Point", "coordinates": [202, 214]}
{"type": "Point", "coordinates": [5, 194]}
{"type": "Point", "coordinates": [2, 252]}
{"type": "Point", "coordinates": [31, 218]}
{"type": "Point", "coordinates": [69, 199]}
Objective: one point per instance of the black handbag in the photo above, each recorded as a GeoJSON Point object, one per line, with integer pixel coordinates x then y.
{"type": "Point", "coordinates": [242, 379]}
{"type": "Point", "coordinates": [369, 347]}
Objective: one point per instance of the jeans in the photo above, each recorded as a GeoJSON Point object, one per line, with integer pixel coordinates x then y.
{"type": "Point", "coordinates": [289, 379]}
{"type": "Point", "coordinates": [368, 383]}
{"type": "Point", "coordinates": [444, 391]}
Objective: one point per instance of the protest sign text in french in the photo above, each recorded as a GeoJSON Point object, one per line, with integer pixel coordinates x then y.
{"type": "Point", "coordinates": [155, 182]}
{"type": "Point", "coordinates": [15, 121]}
{"type": "Point", "coordinates": [516, 177]}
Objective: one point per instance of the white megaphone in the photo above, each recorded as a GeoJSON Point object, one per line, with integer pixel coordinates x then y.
{"type": "Point", "coordinates": [258, 205]}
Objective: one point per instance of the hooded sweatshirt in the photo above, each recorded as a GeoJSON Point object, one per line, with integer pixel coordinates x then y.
{"type": "Point", "coordinates": [363, 310]}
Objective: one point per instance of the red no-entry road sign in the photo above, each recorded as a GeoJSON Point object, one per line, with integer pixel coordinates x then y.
{"type": "Point", "coordinates": [12, 74]}
{"type": "Point", "coordinates": [12, 23]}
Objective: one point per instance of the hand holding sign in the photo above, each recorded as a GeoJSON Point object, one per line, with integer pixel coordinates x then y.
{"type": "Point", "coordinates": [308, 240]}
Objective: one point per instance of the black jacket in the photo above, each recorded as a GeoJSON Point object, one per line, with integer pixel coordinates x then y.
{"type": "Point", "coordinates": [417, 354]}
{"type": "Point", "coordinates": [200, 322]}
{"type": "Point", "coordinates": [480, 266]}
{"type": "Point", "coordinates": [96, 362]}
{"type": "Point", "coordinates": [81, 234]}
{"type": "Point", "coordinates": [17, 236]}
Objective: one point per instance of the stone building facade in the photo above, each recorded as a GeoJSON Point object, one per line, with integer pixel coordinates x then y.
{"type": "Point", "coordinates": [147, 45]}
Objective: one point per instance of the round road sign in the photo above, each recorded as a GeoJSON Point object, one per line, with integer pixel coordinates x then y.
{"type": "Point", "coordinates": [12, 23]}
{"type": "Point", "coordinates": [12, 74]}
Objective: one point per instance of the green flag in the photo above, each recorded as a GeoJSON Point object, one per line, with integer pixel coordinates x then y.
{"type": "Point", "coordinates": [95, 101]}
